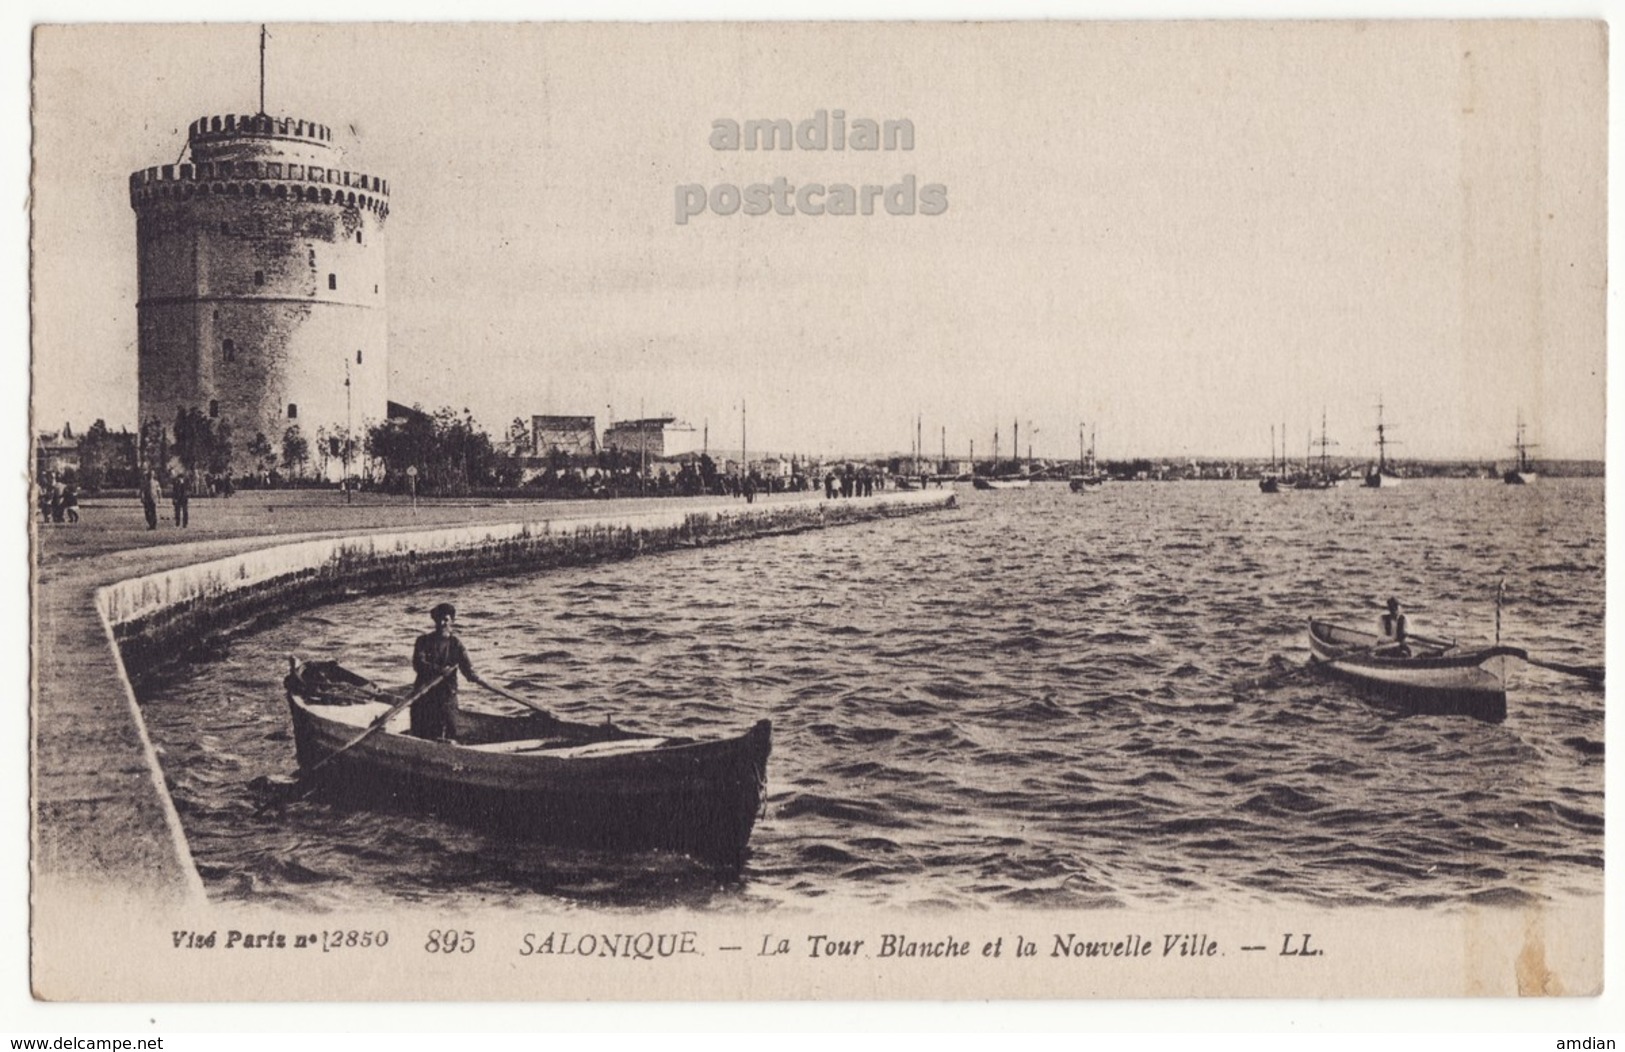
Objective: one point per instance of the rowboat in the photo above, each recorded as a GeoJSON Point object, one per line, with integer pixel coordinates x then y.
{"type": "Point", "coordinates": [532, 776]}
{"type": "Point", "coordinates": [1436, 679]}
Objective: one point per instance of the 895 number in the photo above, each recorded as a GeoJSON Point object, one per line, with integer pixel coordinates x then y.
{"type": "Point", "coordinates": [449, 941]}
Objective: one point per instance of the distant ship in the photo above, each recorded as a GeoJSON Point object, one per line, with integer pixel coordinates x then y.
{"type": "Point", "coordinates": [1088, 471]}
{"type": "Point", "coordinates": [1322, 479]}
{"type": "Point", "coordinates": [1382, 474]}
{"type": "Point", "coordinates": [1005, 481]}
{"type": "Point", "coordinates": [1523, 474]}
{"type": "Point", "coordinates": [1270, 481]}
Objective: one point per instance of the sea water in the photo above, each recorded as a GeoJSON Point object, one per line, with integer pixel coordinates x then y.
{"type": "Point", "coordinates": [1028, 700]}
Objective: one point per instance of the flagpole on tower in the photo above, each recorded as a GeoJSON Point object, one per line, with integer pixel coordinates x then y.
{"type": "Point", "coordinates": [262, 68]}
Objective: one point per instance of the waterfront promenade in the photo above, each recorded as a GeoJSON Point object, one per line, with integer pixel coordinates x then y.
{"type": "Point", "coordinates": [100, 811]}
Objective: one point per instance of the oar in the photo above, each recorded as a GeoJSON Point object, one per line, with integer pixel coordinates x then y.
{"type": "Point", "coordinates": [511, 696]}
{"type": "Point", "coordinates": [1592, 673]}
{"type": "Point", "coordinates": [307, 777]}
{"type": "Point", "coordinates": [1274, 678]}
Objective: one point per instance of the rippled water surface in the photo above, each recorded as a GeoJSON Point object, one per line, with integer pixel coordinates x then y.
{"type": "Point", "coordinates": [1024, 701]}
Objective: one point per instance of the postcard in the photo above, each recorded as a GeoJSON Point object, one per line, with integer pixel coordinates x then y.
{"type": "Point", "coordinates": [818, 511]}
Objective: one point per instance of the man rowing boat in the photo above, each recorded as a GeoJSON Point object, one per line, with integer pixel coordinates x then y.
{"type": "Point", "coordinates": [1394, 630]}
{"type": "Point", "coordinates": [437, 653]}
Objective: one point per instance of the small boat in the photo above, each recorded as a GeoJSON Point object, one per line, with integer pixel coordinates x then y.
{"type": "Point", "coordinates": [1435, 678]}
{"type": "Point", "coordinates": [1010, 479]}
{"type": "Point", "coordinates": [533, 776]}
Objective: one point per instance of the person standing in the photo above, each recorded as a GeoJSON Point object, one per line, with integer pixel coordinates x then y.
{"type": "Point", "coordinates": [1394, 629]}
{"type": "Point", "coordinates": [181, 496]}
{"type": "Point", "coordinates": [437, 653]}
{"type": "Point", "coordinates": [149, 498]}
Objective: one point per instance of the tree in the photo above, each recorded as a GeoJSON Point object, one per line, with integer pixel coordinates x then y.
{"type": "Point", "coordinates": [510, 467]}
{"type": "Point", "coordinates": [260, 449]}
{"type": "Point", "coordinates": [220, 450]}
{"type": "Point", "coordinates": [518, 437]}
{"type": "Point", "coordinates": [450, 451]}
{"type": "Point", "coordinates": [106, 458]}
{"type": "Point", "coordinates": [154, 446]}
{"type": "Point", "coordinates": [295, 450]}
{"type": "Point", "coordinates": [341, 446]}
{"type": "Point", "coordinates": [324, 451]}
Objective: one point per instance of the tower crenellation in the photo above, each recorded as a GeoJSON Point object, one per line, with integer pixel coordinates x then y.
{"type": "Point", "coordinates": [260, 279]}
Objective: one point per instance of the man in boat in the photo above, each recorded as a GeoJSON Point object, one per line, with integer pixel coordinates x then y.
{"type": "Point", "coordinates": [434, 715]}
{"type": "Point", "coordinates": [1394, 630]}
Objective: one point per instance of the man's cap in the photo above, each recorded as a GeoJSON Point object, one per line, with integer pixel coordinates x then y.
{"type": "Point", "coordinates": [442, 611]}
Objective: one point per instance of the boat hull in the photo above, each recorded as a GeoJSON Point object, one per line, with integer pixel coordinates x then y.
{"type": "Point", "coordinates": [592, 786]}
{"type": "Point", "coordinates": [987, 483]}
{"type": "Point", "coordinates": [1081, 483]}
{"type": "Point", "coordinates": [1520, 478]}
{"type": "Point", "coordinates": [1437, 682]}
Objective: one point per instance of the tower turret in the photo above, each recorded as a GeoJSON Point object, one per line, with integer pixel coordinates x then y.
{"type": "Point", "coordinates": [261, 285]}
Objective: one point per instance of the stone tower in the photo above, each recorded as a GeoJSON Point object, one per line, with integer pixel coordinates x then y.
{"type": "Point", "coordinates": [261, 285]}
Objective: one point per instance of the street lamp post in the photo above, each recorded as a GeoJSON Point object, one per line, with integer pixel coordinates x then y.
{"type": "Point", "coordinates": [349, 426]}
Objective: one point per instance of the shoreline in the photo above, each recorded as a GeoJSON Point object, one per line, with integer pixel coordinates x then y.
{"type": "Point", "coordinates": [107, 608]}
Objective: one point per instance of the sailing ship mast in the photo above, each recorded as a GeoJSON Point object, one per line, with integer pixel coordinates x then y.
{"type": "Point", "coordinates": [1524, 472]}
{"type": "Point", "coordinates": [1324, 444]}
{"type": "Point", "coordinates": [1381, 476]}
{"type": "Point", "coordinates": [1382, 441]}
{"type": "Point", "coordinates": [1521, 447]}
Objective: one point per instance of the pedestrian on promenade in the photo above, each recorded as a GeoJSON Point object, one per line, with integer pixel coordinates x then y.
{"type": "Point", "coordinates": [181, 497]}
{"type": "Point", "coordinates": [149, 498]}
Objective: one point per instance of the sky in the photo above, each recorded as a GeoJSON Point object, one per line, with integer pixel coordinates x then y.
{"type": "Point", "coordinates": [1177, 236]}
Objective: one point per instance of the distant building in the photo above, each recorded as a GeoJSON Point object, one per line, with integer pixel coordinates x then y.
{"type": "Point", "coordinates": [56, 451]}
{"type": "Point", "coordinates": [656, 437]}
{"type": "Point", "coordinates": [572, 435]}
{"type": "Point", "coordinates": [405, 413]}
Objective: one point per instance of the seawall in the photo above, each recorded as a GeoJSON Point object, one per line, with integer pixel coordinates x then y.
{"type": "Point", "coordinates": [102, 811]}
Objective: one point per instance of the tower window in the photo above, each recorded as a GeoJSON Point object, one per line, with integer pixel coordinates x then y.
{"type": "Point", "coordinates": [214, 408]}
{"type": "Point", "coordinates": [259, 277]}
{"type": "Point", "coordinates": [293, 411]}
{"type": "Point", "coordinates": [358, 237]}
{"type": "Point", "coordinates": [313, 257]}
{"type": "Point", "coordinates": [358, 357]}
{"type": "Point", "coordinates": [230, 348]}
{"type": "Point", "coordinates": [332, 281]}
